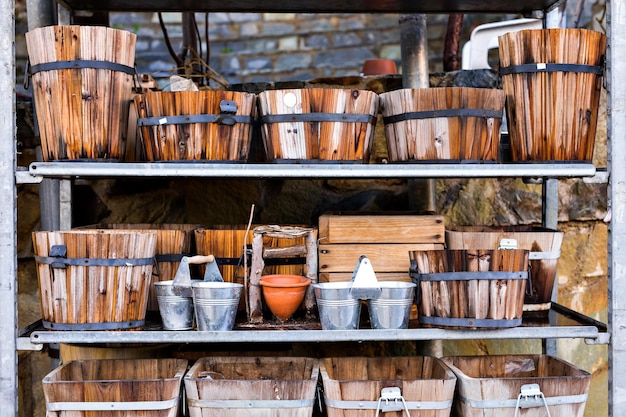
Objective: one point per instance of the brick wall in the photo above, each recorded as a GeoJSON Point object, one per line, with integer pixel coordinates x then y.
{"type": "Point", "coordinates": [256, 47]}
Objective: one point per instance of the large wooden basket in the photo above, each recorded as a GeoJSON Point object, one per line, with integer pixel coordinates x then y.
{"type": "Point", "coordinates": [94, 279]}
{"type": "Point", "coordinates": [82, 80]}
{"type": "Point", "coordinates": [196, 125]}
{"type": "Point", "coordinates": [353, 385]}
{"type": "Point", "coordinates": [443, 124]}
{"type": "Point", "coordinates": [470, 288]}
{"type": "Point", "coordinates": [240, 386]}
{"type": "Point", "coordinates": [491, 386]}
{"type": "Point", "coordinates": [553, 80]}
{"type": "Point", "coordinates": [115, 387]}
{"type": "Point", "coordinates": [318, 124]}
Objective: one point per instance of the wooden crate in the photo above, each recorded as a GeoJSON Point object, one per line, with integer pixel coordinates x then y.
{"type": "Point", "coordinates": [233, 386]}
{"type": "Point", "coordinates": [380, 228]}
{"type": "Point", "coordinates": [489, 386]}
{"type": "Point", "coordinates": [115, 388]}
{"type": "Point", "coordinates": [386, 239]}
{"type": "Point", "coordinates": [352, 385]}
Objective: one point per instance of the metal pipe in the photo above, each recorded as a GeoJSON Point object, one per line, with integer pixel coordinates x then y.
{"type": "Point", "coordinates": [416, 74]}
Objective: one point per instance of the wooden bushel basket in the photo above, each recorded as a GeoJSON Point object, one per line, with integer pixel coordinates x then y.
{"type": "Point", "coordinates": [353, 386]}
{"type": "Point", "coordinates": [443, 124]}
{"type": "Point", "coordinates": [470, 288]}
{"type": "Point", "coordinates": [82, 80]}
{"type": "Point", "coordinates": [252, 386]}
{"type": "Point", "coordinates": [318, 124]}
{"type": "Point", "coordinates": [196, 125]}
{"type": "Point", "coordinates": [553, 80]}
{"type": "Point", "coordinates": [490, 386]}
{"type": "Point", "coordinates": [544, 246]}
{"type": "Point", "coordinates": [94, 279]}
{"type": "Point", "coordinates": [115, 387]}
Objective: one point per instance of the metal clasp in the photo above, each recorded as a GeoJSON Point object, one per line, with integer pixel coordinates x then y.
{"type": "Point", "coordinates": [59, 252]}
{"type": "Point", "coordinates": [227, 108]}
{"type": "Point", "coordinates": [391, 399]}
{"type": "Point", "coordinates": [531, 396]}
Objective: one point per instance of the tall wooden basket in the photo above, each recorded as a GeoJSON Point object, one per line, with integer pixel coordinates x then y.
{"type": "Point", "coordinates": [196, 125]}
{"type": "Point", "coordinates": [552, 79]}
{"type": "Point", "coordinates": [82, 79]}
{"type": "Point", "coordinates": [318, 124]}
{"type": "Point", "coordinates": [447, 123]}
{"type": "Point", "coordinates": [94, 279]}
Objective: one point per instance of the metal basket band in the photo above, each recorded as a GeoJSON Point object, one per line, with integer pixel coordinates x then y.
{"type": "Point", "coordinates": [251, 404]}
{"type": "Point", "coordinates": [61, 262]}
{"type": "Point", "coordinates": [194, 118]}
{"type": "Point", "coordinates": [432, 114]}
{"type": "Point", "coordinates": [466, 276]}
{"type": "Point", "coordinates": [373, 405]}
{"type": "Point", "coordinates": [469, 322]}
{"type": "Point", "coordinates": [545, 67]}
{"type": "Point", "coordinates": [113, 405]}
{"type": "Point", "coordinates": [318, 117]}
{"type": "Point", "coordinates": [81, 64]}
{"type": "Point", "coordinates": [117, 325]}
{"type": "Point", "coordinates": [526, 403]}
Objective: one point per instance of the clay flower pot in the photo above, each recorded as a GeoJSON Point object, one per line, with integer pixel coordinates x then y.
{"type": "Point", "coordinates": [378, 67]}
{"type": "Point", "coordinates": [283, 293]}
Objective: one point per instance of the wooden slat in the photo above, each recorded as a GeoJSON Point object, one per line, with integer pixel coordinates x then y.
{"type": "Point", "coordinates": [384, 258]}
{"type": "Point", "coordinates": [381, 228]}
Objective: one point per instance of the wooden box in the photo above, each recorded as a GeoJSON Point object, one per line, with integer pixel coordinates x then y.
{"type": "Point", "coordinates": [115, 387]}
{"type": "Point", "coordinates": [386, 239]}
{"type": "Point", "coordinates": [489, 386]}
{"type": "Point", "coordinates": [233, 386]}
{"type": "Point", "coordinates": [353, 386]}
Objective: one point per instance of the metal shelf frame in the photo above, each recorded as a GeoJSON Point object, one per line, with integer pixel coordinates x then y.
{"type": "Point", "coordinates": [305, 170]}
{"type": "Point", "coordinates": [11, 176]}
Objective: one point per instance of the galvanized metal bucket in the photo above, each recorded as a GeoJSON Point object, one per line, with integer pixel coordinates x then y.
{"type": "Point", "coordinates": [392, 309]}
{"type": "Point", "coordinates": [215, 304]}
{"type": "Point", "coordinates": [338, 310]}
{"type": "Point", "coordinates": [176, 310]}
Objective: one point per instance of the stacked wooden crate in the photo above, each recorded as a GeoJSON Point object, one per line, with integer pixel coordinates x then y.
{"type": "Point", "coordinates": [386, 239]}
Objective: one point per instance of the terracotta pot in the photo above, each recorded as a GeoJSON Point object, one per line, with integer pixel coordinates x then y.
{"type": "Point", "coordinates": [378, 67]}
{"type": "Point", "coordinates": [283, 293]}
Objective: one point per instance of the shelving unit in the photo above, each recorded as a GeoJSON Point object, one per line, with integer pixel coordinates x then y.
{"type": "Point", "coordinates": [563, 323]}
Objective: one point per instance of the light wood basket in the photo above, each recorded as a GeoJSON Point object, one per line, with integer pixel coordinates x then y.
{"type": "Point", "coordinates": [443, 124]}
{"type": "Point", "coordinates": [318, 124]}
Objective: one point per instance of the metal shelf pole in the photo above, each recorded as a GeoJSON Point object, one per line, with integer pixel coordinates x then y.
{"type": "Point", "coordinates": [616, 112]}
{"type": "Point", "coordinates": [8, 219]}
